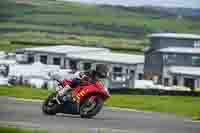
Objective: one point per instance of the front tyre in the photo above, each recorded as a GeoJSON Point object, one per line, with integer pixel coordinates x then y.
{"type": "Point", "coordinates": [50, 106]}
{"type": "Point", "coordinates": [90, 109]}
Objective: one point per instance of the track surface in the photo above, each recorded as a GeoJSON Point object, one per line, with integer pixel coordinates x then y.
{"type": "Point", "coordinates": [28, 114]}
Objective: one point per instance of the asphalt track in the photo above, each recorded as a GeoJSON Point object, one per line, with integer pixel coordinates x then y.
{"type": "Point", "coordinates": [29, 115]}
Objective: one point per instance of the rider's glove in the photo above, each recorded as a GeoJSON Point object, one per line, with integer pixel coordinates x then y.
{"type": "Point", "coordinates": [64, 90]}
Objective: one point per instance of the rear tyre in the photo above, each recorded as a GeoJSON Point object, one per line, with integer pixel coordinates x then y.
{"type": "Point", "coordinates": [94, 111]}
{"type": "Point", "coordinates": [50, 106]}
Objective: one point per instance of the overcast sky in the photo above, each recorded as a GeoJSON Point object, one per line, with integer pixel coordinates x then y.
{"type": "Point", "coordinates": [168, 3]}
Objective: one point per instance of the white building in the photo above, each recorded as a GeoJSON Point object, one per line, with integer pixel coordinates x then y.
{"type": "Point", "coordinates": [54, 55]}
{"type": "Point", "coordinates": [124, 68]}
{"type": "Point", "coordinates": [36, 74]}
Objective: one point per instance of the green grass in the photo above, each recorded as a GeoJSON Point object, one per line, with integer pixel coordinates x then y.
{"type": "Point", "coordinates": [21, 130]}
{"type": "Point", "coordinates": [119, 28]}
{"type": "Point", "coordinates": [197, 89]}
{"type": "Point", "coordinates": [184, 106]}
{"type": "Point", "coordinates": [38, 37]}
{"type": "Point", "coordinates": [18, 130]}
{"type": "Point", "coordinates": [23, 92]}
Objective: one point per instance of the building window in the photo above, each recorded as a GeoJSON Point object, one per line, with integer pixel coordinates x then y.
{"type": "Point", "coordinates": [189, 82]}
{"type": "Point", "coordinates": [166, 81]}
{"type": "Point", "coordinates": [165, 57]}
{"type": "Point", "coordinates": [127, 71]}
{"type": "Point", "coordinates": [132, 73]}
{"type": "Point", "coordinates": [87, 66]}
{"type": "Point", "coordinates": [30, 59]}
{"type": "Point", "coordinates": [117, 73]}
{"type": "Point", "coordinates": [197, 44]}
{"type": "Point", "coordinates": [56, 61]}
{"type": "Point", "coordinates": [154, 60]}
{"type": "Point", "coordinates": [73, 64]}
{"type": "Point", "coordinates": [43, 59]}
{"type": "Point", "coordinates": [170, 58]}
{"type": "Point", "coordinates": [196, 60]}
{"type": "Point", "coordinates": [140, 76]}
{"type": "Point", "coordinates": [175, 81]}
{"type": "Point", "coordinates": [117, 69]}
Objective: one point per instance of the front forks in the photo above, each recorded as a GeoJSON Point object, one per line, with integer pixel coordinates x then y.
{"type": "Point", "coordinates": [57, 99]}
{"type": "Point", "coordinates": [66, 98]}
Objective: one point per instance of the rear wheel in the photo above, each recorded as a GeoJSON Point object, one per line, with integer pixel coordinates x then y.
{"type": "Point", "coordinates": [50, 105]}
{"type": "Point", "coordinates": [91, 107]}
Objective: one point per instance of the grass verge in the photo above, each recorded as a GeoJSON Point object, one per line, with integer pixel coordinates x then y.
{"type": "Point", "coordinates": [179, 105]}
{"type": "Point", "coordinates": [20, 130]}
{"type": "Point", "coordinates": [23, 92]}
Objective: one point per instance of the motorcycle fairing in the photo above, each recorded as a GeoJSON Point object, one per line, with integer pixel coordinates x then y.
{"type": "Point", "coordinates": [82, 92]}
{"type": "Point", "coordinates": [70, 108]}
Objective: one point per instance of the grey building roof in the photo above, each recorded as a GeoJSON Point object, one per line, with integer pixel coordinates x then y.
{"type": "Point", "coordinates": [109, 57]}
{"type": "Point", "coordinates": [180, 50]}
{"type": "Point", "coordinates": [176, 35]}
{"type": "Point", "coordinates": [194, 71]}
{"type": "Point", "coordinates": [65, 49]}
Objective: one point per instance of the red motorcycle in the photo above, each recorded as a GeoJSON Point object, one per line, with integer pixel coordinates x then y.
{"type": "Point", "coordinates": [85, 100]}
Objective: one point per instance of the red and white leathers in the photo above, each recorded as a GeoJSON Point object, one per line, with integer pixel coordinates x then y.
{"type": "Point", "coordinates": [79, 76]}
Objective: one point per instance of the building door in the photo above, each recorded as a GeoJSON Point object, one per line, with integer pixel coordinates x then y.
{"type": "Point", "coordinates": [189, 82]}
{"type": "Point", "coordinates": [57, 61]}
{"type": "Point", "coordinates": [132, 79]}
{"type": "Point", "coordinates": [166, 81]}
{"type": "Point", "coordinates": [73, 65]}
{"type": "Point", "coordinates": [43, 59]}
{"type": "Point", "coordinates": [87, 66]}
{"type": "Point", "coordinates": [31, 59]}
{"type": "Point", "coordinates": [175, 80]}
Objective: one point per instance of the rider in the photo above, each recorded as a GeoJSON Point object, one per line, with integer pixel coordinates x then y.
{"type": "Point", "coordinates": [88, 76]}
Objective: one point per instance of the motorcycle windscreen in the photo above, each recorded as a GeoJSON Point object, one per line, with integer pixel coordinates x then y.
{"type": "Point", "coordinates": [105, 82]}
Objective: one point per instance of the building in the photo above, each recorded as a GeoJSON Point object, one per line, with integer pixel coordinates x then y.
{"type": "Point", "coordinates": [124, 68]}
{"type": "Point", "coordinates": [54, 55]}
{"type": "Point", "coordinates": [173, 59]}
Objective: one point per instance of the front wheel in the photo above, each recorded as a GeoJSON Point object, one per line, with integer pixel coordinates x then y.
{"type": "Point", "coordinates": [91, 106]}
{"type": "Point", "coordinates": [50, 106]}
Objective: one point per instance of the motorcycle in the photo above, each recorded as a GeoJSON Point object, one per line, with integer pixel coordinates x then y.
{"type": "Point", "coordinates": [85, 100]}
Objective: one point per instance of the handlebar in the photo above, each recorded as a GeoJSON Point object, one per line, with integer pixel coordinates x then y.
{"type": "Point", "coordinates": [60, 83]}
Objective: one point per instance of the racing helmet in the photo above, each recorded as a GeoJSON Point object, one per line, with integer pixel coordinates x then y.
{"type": "Point", "coordinates": [102, 70]}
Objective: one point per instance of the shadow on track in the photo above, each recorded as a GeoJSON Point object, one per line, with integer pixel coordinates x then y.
{"type": "Point", "coordinates": [98, 117]}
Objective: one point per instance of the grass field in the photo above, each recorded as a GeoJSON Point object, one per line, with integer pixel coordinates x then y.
{"type": "Point", "coordinates": [119, 28]}
{"type": "Point", "coordinates": [184, 106]}
{"type": "Point", "coordinates": [23, 92]}
{"type": "Point", "coordinates": [20, 130]}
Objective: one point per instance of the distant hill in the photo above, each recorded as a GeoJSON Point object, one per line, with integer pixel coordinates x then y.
{"type": "Point", "coordinates": [163, 11]}
{"type": "Point", "coordinates": [25, 23]}
{"type": "Point", "coordinates": [173, 7]}
{"type": "Point", "coordinates": [139, 3]}
{"type": "Point", "coordinates": [186, 12]}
